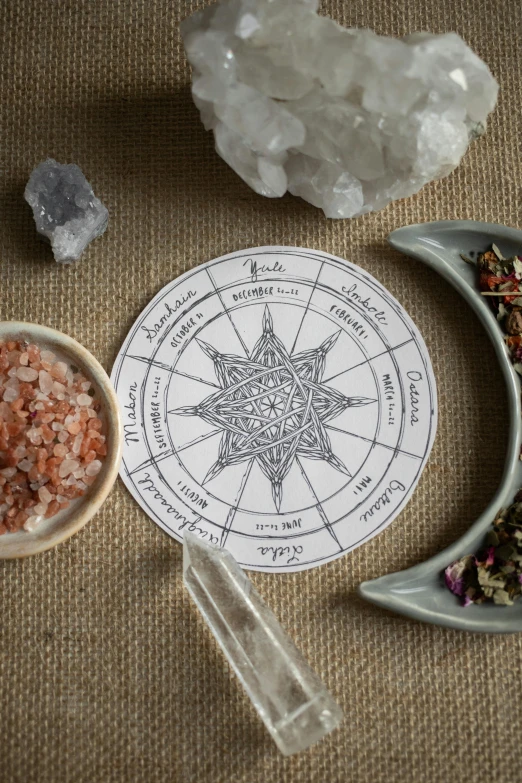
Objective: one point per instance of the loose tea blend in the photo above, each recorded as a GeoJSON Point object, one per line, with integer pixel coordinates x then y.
{"type": "Point", "coordinates": [494, 574]}
{"type": "Point", "coordinates": [500, 279]}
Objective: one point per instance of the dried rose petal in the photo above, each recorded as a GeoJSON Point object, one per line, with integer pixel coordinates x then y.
{"type": "Point", "coordinates": [454, 574]}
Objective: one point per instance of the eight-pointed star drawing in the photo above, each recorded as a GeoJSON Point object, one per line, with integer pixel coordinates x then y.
{"type": "Point", "coordinates": [272, 407]}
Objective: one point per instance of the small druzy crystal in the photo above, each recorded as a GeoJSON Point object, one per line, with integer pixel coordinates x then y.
{"type": "Point", "coordinates": [65, 209]}
{"type": "Point", "coordinates": [289, 697]}
{"type": "Point", "coordinates": [346, 119]}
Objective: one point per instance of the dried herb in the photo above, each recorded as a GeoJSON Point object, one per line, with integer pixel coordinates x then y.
{"type": "Point", "coordinates": [494, 574]}
{"type": "Point", "coordinates": [500, 279]}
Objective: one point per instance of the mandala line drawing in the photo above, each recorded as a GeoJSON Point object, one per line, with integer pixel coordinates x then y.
{"type": "Point", "coordinates": [272, 408]}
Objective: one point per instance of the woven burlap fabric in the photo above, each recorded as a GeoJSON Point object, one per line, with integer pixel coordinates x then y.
{"type": "Point", "coordinates": [107, 674]}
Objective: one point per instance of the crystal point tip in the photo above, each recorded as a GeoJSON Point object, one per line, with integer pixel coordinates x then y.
{"type": "Point", "coordinates": [289, 697]}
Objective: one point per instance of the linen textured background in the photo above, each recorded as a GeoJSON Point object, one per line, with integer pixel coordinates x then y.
{"type": "Point", "coordinates": [107, 674]}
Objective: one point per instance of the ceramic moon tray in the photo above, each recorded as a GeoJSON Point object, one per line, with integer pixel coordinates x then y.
{"type": "Point", "coordinates": [276, 401]}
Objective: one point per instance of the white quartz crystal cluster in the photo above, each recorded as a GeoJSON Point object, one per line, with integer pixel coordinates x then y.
{"type": "Point", "coordinates": [346, 119]}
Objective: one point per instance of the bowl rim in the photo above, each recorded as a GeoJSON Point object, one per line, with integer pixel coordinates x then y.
{"type": "Point", "coordinates": [86, 511]}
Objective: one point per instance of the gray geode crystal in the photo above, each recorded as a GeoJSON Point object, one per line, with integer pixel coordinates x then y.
{"type": "Point", "coordinates": [346, 119]}
{"type": "Point", "coordinates": [65, 209]}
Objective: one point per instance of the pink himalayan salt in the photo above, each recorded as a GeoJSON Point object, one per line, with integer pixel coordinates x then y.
{"type": "Point", "coordinates": [35, 421]}
{"type": "Point", "coordinates": [93, 468]}
{"type": "Point", "coordinates": [60, 450]}
{"type": "Point", "coordinates": [44, 495]}
{"type": "Point", "coordinates": [67, 466]}
{"type": "Point", "coordinates": [46, 382]}
{"type": "Point", "coordinates": [10, 395]}
{"type": "Point", "coordinates": [59, 371]}
{"type": "Point", "coordinates": [32, 522]}
{"type": "Point", "coordinates": [58, 388]}
{"type": "Point", "coordinates": [78, 443]}
{"type": "Point", "coordinates": [26, 374]}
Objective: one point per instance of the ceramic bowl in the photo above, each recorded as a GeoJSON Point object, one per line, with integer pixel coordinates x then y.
{"type": "Point", "coordinates": [67, 522]}
{"type": "Point", "coordinates": [420, 592]}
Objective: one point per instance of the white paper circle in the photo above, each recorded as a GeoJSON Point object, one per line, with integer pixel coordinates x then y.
{"type": "Point", "coordinates": [277, 401]}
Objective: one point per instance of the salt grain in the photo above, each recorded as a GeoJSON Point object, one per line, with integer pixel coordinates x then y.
{"type": "Point", "coordinates": [59, 371]}
{"type": "Point", "coordinates": [32, 522]}
{"type": "Point", "coordinates": [78, 443]}
{"type": "Point", "coordinates": [10, 395]}
{"type": "Point", "coordinates": [60, 450]}
{"type": "Point", "coordinates": [67, 466]}
{"type": "Point", "coordinates": [93, 468]}
{"type": "Point", "coordinates": [46, 382]}
{"type": "Point", "coordinates": [26, 374]}
{"type": "Point", "coordinates": [44, 495]}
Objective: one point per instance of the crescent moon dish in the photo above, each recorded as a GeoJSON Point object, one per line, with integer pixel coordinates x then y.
{"type": "Point", "coordinates": [420, 592]}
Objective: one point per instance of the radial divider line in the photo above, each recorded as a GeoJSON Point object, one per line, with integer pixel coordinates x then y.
{"type": "Point", "coordinates": [382, 353]}
{"type": "Point", "coordinates": [170, 452]}
{"type": "Point", "coordinates": [218, 292]}
{"type": "Point", "coordinates": [200, 439]}
{"type": "Point", "coordinates": [162, 366]}
{"type": "Point", "coordinates": [152, 461]}
{"type": "Point", "coordinates": [195, 378]}
{"type": "Point", "coordinates": [232, 513]}
{"type": "Point", "coordinates": [322, 514]}
{"type": "Point", "coordinates": [375, 442]}
{"type": "Point", "coordinates": [306, 308]}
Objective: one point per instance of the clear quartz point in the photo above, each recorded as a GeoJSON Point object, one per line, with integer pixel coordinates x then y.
{"type": "Point", "coordinates": [290, 698]}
